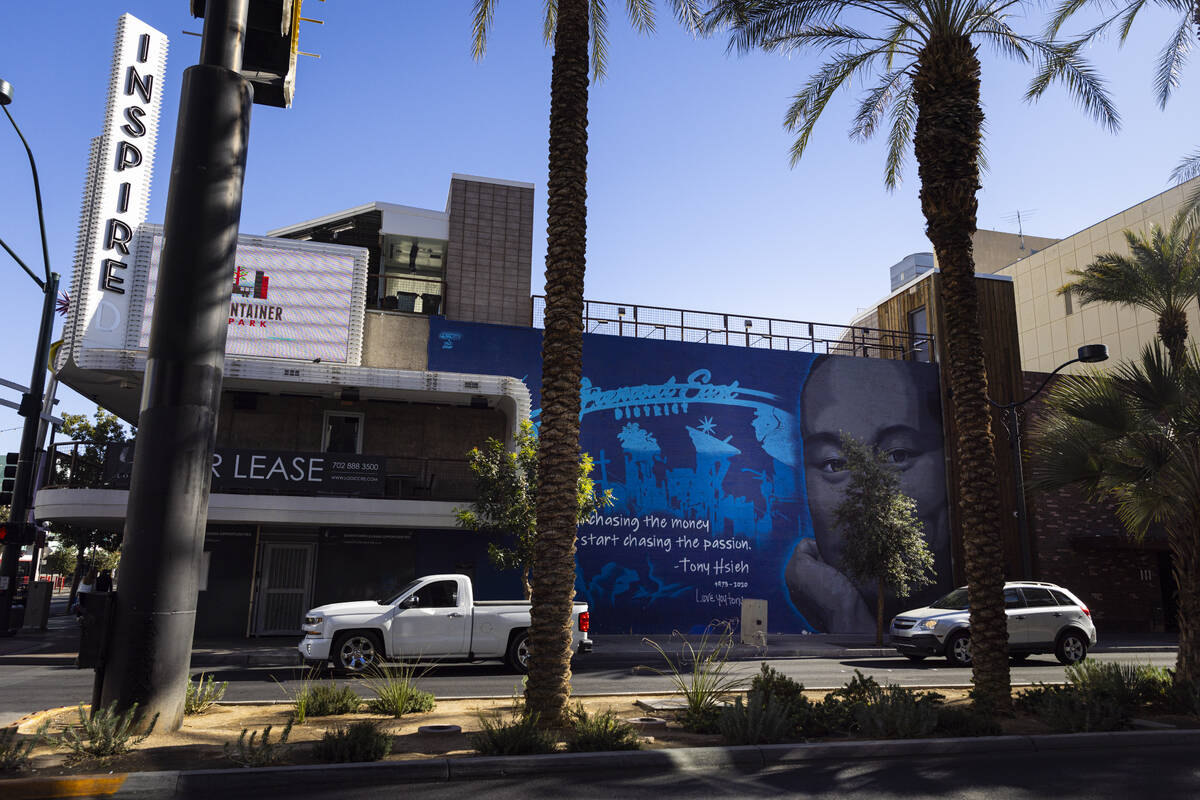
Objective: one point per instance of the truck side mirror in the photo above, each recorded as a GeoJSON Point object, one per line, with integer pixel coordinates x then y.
{"type": "Point", "coordinates": [412, 601]}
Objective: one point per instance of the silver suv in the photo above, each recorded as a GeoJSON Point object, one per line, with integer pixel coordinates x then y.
{"type": "Point", "coordinates": [1042, 618]}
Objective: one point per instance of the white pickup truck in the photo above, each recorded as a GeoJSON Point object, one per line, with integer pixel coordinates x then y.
{"type": "Point", "coordinates": [433, 618]}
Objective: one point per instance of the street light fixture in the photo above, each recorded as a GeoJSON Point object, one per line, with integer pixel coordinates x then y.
{"type": "Point", "coordinates": [31, 403]}
{"type": "Point", "coordinates": [1087, 354]}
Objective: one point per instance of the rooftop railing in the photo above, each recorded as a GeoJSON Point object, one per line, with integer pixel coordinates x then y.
{"type": "Point", "coordinates": [741, 330]}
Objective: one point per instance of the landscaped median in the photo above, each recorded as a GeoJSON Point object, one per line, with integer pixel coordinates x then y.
{"type": "Point", "coordinates": [408, 737]}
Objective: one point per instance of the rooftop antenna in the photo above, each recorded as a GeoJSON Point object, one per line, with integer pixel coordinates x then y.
{"type": "Point", "coordinates": [1016, 217]}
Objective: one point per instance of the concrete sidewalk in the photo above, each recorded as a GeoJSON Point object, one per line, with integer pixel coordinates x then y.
{"type": "Point", "coordinates": [60, 644]}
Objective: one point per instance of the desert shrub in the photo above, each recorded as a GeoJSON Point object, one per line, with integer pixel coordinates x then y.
{"type": "Point", "coordinates": [702, 675]}
{"type": "Point", "coordinates": [1067, 709]}
{"type": "Point", "coordinates": [360, 741]}
{"type": "Point", "coordinates": [897, 712]}
{"type": "Point", "coordinates": [325, 700]}
{"type": "Point", "coordinates": [396, 693]}
{"type": "Point", "coordinates": [517, 736]}
{"type": "Point", "coordinates": [600, 731]}
{"type": "Point", "coordinates": [15, 750]}
{"type": "Point", "coordinates": [757, 721]}
{"type": "Point", "coordinates": [259, 751]}
{"type": "Point", "coordinates": [104, 733]}
{"type": "Point", "coordinates": [1182, 697]}
{"type": "Point", "coordinates": [1129, 685]}
{"type": "Point", "coordinates": [775, 687]}
{"type": "Point", "coordinates": [202, 694]}
{"type": "Point", "coordinates": [955, 721]}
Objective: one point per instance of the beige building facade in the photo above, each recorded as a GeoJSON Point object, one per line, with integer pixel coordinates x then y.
{"type": "Point", "coordinates": [1051, 327]}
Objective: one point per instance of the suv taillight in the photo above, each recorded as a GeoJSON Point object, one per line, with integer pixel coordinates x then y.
{"type": "Point", "coordinates": [1084, 609]}
{"type": "Point", "coordinates": [584, 621]}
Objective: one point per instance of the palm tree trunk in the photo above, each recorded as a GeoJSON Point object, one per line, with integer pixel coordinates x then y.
{"type": "Point", "coordinates": [1173, 331]}
{"type": "Point", "coordinates": [549, 684]}
{"type": "Point", "coordinates": [946, 141]}
{"type": "Point", "coordinates": [1184, 541]}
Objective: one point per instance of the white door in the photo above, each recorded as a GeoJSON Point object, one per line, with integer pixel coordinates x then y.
{"type": "Point", "coordinates": [433, 621]}
{"type": "Point", "coordinates": [285, 589]}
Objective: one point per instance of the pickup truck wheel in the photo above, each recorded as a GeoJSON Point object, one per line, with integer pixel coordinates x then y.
{"type": "Point", "coordinates": [517, 657]}
{"type": "Point", "coordinates": [357, 651]}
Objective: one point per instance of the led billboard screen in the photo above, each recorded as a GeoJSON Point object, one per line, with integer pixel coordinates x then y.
{"type": "Point", "coordinates": [293, 300]}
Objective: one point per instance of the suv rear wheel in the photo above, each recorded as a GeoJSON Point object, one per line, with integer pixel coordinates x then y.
{"type": "Point", "coordinates": [958, 649]}
{"type": "Point", "coordinates": [1072, 647]}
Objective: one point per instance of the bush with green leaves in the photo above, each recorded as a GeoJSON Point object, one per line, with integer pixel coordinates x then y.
{"type": "Point", "coordinates": [1102, 696]}
{"type": "Point", "coordinates": [15, 749]}
{"type": "Point", "coordinates": [600, 731]}
{"type": "Point", "coordinates": [1066, 709]}
{"type": "Point", "coordinates": [326, 700]}
{"type": "Point", "coordinates": [202, 694]}
{"type": "Point", "coordinates": [519, 735]}
{"type": "Point", "coordinates": [777, 688]}
{"type": "Point", "coordinates": [259, 751]}
{"type": "Point", "coordinates": [360, 741]}
{"type": "Point", "coordinates": [757, 721]}
{"type": "Point", "coordinates": [396, 692]}
{"type": "Point", "coordinates": [701, 673]}
{"type": "Point", "coordinates": [897, 712]}
{"type": "Point", "coordinates": [105, 733]}
{"type": "Point", "coordinates": [961, 722]}
{"type": "Point", "coordinates": [1130, 685]}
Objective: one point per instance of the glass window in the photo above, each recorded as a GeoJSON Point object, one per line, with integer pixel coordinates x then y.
{"type": "Point", "coordinates": [1062, 599]}
{"type": "Point", "coordinates": [918, 326]}
{"type": "Point", "coordinates": [1012, 599]}
{"type": "Point", "coordinates": [343, 433]}
{"type": "Point", "coordinates": [439, 594]}
{"type": "Point", "coordinates": [1038, 598]}
{"type": "Point", "coordinates": [410, 277]}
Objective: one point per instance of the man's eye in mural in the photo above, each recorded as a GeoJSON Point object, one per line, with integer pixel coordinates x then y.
{"type": "Point", "coordinates": [900, 457]}
{"type": "Point", "coordinates": [832, 465]}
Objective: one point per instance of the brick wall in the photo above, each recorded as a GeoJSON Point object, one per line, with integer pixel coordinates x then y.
{"type": "Point", "coordinates": [489, 255]}
{"type": "Point", "coordinates": [1079, 543]}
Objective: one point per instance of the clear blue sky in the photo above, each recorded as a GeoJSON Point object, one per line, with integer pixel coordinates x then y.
{"type": "Point", "coordinates": [691, 200]}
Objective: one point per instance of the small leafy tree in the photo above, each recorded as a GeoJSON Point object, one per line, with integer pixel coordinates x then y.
{"type": "Point", "coordinates": [507, 504]}
{"type": "Point", "coordinates": [95, 549]}
{"type": "Point", "coordinates": [884, 539]}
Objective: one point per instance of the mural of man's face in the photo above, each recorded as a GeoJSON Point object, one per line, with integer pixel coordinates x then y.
{"type": "Point", "coordinates": [884, 404]}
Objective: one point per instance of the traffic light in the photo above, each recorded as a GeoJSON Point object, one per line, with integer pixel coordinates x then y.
{"type": "Point", "coordinates": [10, 478]}
{"type": "Point", "coordinates": [16, 533]}
{"type": "Point", "coordinates": [272, 44]}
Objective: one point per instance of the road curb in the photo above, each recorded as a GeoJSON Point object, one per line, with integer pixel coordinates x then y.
{"type": "Point", "coordinates": [213, 782]}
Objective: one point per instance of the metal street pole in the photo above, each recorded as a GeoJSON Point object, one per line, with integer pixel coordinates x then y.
{"type": "Point", "coordinates": [31, 402]}
{"type": "Point", "coordinates": [1088, 354]}
{"type": "Point", "coordinates": [31, 409]}
{"type": "Point", "coordinates": [168, 497]}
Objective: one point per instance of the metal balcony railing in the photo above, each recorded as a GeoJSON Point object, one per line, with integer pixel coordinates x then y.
{"type": "Point", "coordinates": [740, 330]}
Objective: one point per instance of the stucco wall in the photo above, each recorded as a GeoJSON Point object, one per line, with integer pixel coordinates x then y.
{"type": "Point", "coordinates": [395, 341]}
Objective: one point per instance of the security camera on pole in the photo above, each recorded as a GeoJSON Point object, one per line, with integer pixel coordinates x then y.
{"type": "Point", "coordinates": [246, 44]}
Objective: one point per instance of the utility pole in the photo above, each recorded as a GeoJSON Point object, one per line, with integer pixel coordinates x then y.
{"type": "Point", "coordinates": [168, 497]}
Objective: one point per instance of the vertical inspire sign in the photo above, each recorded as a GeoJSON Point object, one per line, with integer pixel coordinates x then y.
{"type": "Point", "coordinates": [118, 193]}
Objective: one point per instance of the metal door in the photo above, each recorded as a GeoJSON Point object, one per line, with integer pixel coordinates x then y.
{"type": "Point", "coordinates": [285, 588]}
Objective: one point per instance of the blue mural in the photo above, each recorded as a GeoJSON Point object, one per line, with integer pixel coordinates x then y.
{"type": "Point", "coordinates": [724, 467]}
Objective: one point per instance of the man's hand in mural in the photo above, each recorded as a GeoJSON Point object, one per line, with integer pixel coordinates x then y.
{"type": "Point", "coordinates": [829, 601]}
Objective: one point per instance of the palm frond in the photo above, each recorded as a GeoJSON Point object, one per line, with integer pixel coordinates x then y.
{"type": "Point", "coordinates": [1172, 60]}
{"type": "Point", "coordinates": [808, 105]}
{"type": "Point", "coordinates": [598, 21]}
{"type": "Point", "coordinates": [1060, 15]}
{"type": "Point", "coordinates": [481, 24]}
{"type": "Point", "coordinates": [904, 120]}
{"type": "Point", "coordinates": [875, 104]}
{"type": "Point", "coordinates": [823, 37]}
{"type": "Point", "coordinates": [549, 20]}
{"type": "Point", "coordinates": [1062, 63]}
{"type": "Point", "coordinates": [1188, 168]}
{"type": "Point", "coordinates": [641, 14]}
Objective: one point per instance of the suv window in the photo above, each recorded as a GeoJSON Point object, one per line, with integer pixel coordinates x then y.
{"type": "Point", "coordinates": [1038, 597]}
{"type": "Point", "coordinates": [1012, 599]}
{"type": "Point", "coordinates": [440, 594]}
{"type": "Point", "coordinates": [1062, 599]}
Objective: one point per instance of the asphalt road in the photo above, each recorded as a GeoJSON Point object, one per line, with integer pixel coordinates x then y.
{"type": "Point", "coordinates": [1098, 772]}
{"type": "Point", "coordinates": [27, 685]}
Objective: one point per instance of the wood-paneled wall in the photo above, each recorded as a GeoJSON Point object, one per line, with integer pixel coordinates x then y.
{"type": "Point", "coordinates": [998, 323]}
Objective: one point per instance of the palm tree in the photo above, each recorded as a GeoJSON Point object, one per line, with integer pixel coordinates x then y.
{"type": "Point", "coordinates": [1170, 61]}
{"type": "Point", "coordinates": [924, 58]}
{"type": "Point", "coordinates": [571, 24]}
{"type": "Point", "coordinates": [1133, 436]}
{"type": "Point", "coordinates": [1161, 274]}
